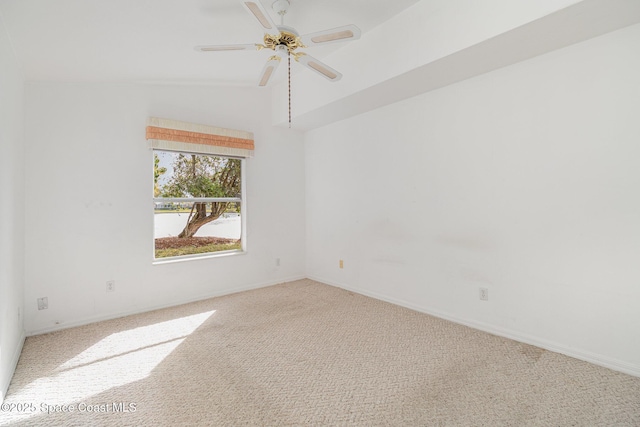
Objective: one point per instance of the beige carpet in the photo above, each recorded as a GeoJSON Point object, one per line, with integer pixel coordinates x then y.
{"type": "Point", "coordinates": [304, 353]}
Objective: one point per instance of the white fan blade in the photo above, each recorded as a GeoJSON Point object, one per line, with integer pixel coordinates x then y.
{"type": "Point", "coordinates": [340, 34]}
{"type": "Point", "coordinates": [269, 70]}
{"type": "Point", "coordinates": [256, 10]}
{"type": "Point", "coordinates": [226, 47]}
{"type": "Point", "coordinates": [319, 67]}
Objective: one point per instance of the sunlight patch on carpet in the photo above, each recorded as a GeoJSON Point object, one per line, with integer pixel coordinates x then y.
{"type": "Point", "coordinates": [116, 360]}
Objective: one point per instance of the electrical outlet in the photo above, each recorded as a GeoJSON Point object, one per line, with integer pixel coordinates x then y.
{"type": "Point", "coordinates": [484, 294]}
{"type": "Point", "coordinates": [341, 264]}
{"type": "Point", "coordinates": [111, 286]}
{"type": "Point", "coordinates": [19, 318]}
{"type": "Point", "coordinates": [277, 262]}
{"type": "Point", "coordinates": [43, 303]}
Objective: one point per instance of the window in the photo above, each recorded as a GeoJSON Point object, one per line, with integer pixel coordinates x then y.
{"type": "Point", "coordinates": [198, 190]}
{"type": "Point", "coordinates": [197, 204]}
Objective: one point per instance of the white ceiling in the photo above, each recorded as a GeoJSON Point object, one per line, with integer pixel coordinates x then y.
{"type": "Point", "coordinates": [153, 40]}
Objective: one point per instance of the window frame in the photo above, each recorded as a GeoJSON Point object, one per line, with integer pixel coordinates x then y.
{"type": "Point", "coordinates": [242, 200]}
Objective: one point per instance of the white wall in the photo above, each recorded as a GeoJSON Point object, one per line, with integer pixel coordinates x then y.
{"type": "Point", "coordinates": [524, 180]}
{"type": "Point", "coordinates": [89, 215]}
{"type": "Point", "coordinates": [11, 210]}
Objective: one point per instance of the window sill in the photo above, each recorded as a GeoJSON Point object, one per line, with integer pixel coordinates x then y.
{"type": "Point", "coordinates": [183, 258]}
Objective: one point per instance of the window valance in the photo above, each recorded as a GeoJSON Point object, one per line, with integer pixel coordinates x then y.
{"type": "Point", "coordinates": [174, 135]}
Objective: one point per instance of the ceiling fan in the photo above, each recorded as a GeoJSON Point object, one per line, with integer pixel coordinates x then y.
{"type": "Point", "coordinates": [286, 41]}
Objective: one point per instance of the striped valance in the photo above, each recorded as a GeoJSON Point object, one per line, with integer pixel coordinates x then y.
{"type": "Point", "coordinates": [173, 135]}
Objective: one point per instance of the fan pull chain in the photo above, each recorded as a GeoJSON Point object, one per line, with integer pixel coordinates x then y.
{"type": "Point", "coordinates": [289, 79]}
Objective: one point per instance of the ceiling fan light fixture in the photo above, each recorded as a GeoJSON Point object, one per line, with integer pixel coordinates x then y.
{"type": "Point", "coordinates": [282, 51]}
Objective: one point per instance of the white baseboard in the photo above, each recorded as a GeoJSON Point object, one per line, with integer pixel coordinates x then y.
{"type": "Point", "coordinates": [596, 359]}
{"type": "Point", "coordinates": [4, 387]}
{"type": "Point", "coordinates": [100, 318]}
